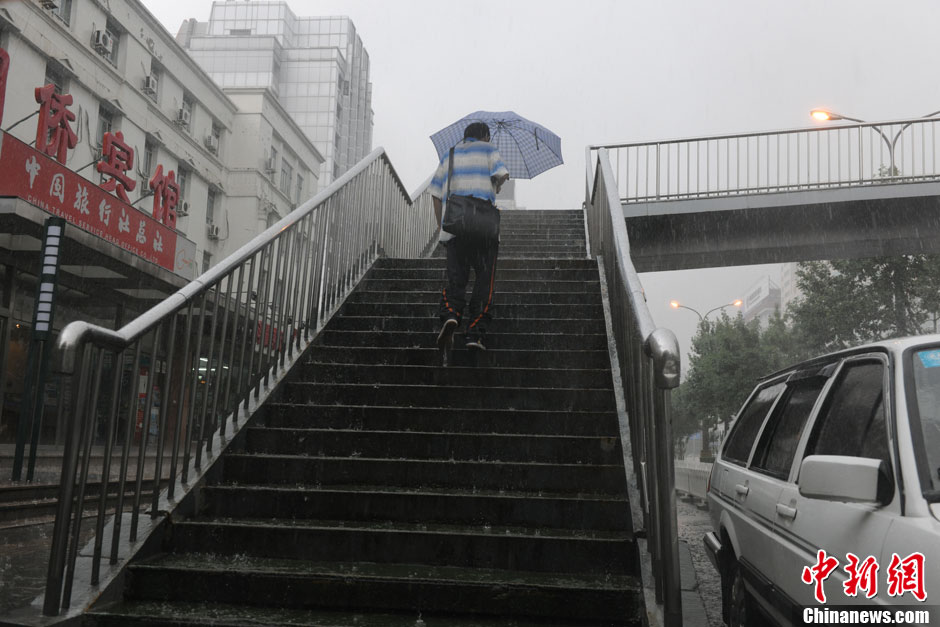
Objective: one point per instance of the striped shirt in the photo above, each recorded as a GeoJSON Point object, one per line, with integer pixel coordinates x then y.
{"type": "Point", "coordinates": [475, 161]}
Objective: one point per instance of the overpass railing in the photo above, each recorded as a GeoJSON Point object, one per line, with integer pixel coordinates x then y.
{"type": "Point", "coordinates": [648, 359]}
{"type": "Point", "coordinates": [901, 151]}
{"type": "Point", "coordinates": [173, 378]}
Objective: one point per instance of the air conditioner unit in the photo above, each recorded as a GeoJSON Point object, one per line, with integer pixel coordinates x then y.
{"type": "Point", "coordinates": [150, 85]}
{"type": "Point", "coordinates": [212, 231]}
{"type": "Point", "coordinates": [182, 117]}
{"type": "Point", "coordinates": [52, 5]}
{"type": "Point", "coordinates": [271, 164]}
{"type": "Point", "coordinates": [212, 143]}
{"type": "Point", "coordinates": [182, 209]}
{"type": "Point", "coordinates": [104, 44]}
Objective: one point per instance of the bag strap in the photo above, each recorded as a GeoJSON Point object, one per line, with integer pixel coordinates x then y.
{"type": "Point", "coordinates": [450, 173]}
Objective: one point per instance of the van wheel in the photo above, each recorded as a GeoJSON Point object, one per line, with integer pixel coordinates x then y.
{"type": "Point", "coordinates": [740, 606]}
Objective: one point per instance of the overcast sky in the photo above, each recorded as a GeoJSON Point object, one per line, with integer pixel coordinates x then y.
{"type": "Point", "coordinates": [609, 71]}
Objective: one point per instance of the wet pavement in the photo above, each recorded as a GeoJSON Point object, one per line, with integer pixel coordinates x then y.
{"type": "Point", "coordinates": [693, 524]}
{"type": "Point", "coordinates": [24, 555]}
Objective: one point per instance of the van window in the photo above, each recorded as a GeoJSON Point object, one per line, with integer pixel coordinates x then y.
{"type": "Point", "coordinates": [853, 420]}
{"type": "Point", "coordinates": [747, 426]}
{"type": "Point", "coordinates": [782, 434]}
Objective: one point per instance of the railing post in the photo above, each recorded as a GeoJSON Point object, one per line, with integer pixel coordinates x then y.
{"type": "Point", "coordinates": [663, 347]}
{"type": "Point", "coordinates": [55, 572]}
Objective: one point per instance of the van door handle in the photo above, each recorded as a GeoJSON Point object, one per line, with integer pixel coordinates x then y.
{"type": "Point", "coordinates": [786, 512]}
{"type": "Point", "coordinates": [742, 490]}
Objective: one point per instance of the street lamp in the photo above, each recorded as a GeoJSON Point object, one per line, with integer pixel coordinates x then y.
{"type": "Point", "coordinates": [705, 454]}
{"type": "Point", "coordinates": [677, 305]}
{"type": "Point", "coordinates": [824, 115]}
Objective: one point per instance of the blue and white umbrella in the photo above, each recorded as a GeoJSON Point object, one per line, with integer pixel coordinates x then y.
{"type": "Point", "coordinates": [527, 148]}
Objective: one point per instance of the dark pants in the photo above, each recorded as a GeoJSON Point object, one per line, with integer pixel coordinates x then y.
{"type": "Point", "coordinates": [461, 257]}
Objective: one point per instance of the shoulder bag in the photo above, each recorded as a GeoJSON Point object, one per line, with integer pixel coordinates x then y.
{"type": "Point", "coordinates": [469, 217]}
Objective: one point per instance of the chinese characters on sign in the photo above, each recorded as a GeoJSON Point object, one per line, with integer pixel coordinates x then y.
{"type": "Point", "coordinates": [166, 194]}
{"type": "Point", "coordinates": [903, 575]}
{"type": "Point", "coordinates": [31, 174]}
{"type": "Point", "coordinates": [55, 136]}
{"type": "Point", "coordinates": [45, 183]}
{"type": "Point", "coordinates": [119, 159]}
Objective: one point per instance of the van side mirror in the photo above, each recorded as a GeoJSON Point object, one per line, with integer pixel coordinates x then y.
{"type": "Point", "coordinates": [845, 479]}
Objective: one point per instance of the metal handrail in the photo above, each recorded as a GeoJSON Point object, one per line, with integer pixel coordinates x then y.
{"type": "Point", "coordinates": [649, 365]}
{"type": "Point", "coordinates": [739, 164]}
{"type": "Point", "coordinates": [212, 349]}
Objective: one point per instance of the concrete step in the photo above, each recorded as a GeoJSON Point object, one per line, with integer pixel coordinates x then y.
{"type": "Point", "coordinates": [427, 505]}
{"type": "Point", "coordinates": [460, 545]}
{"type": "Point", "coordinates": [384, 418]}
{"type": "Point", "coordinates": [545, 449]}
{"type": "Point", "coordinates": [520, 286]}
{"type": "Point", "coordinates": [450, 396]}
{"type": "Point", "coordinates": [412, 473]}
{"type": "Point", "coordinates": [432, 296]}
{"type": "Point", "coordinates": [457, 375]}
{"type": "Point", "coordinates": [495, 340]}
{"type": "Point", "coordinates": [428, 324]}
{"type": "Point", "coordinates": [429, 355]}
{"type": "Point", "coordinates": [506, 312]}
{"type": "Point", "coordinates": [502, 274]}
{"type": "Point", "coordinates": [511, 264]}
{"type": "Point", "coordinates": [183, 614]}
{"type": "Point", "coordinates": [365, 586]}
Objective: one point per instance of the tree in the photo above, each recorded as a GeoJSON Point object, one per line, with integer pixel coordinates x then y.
{"type": "Point", "coordinates": [854, 301]}
{"type": "Point", "coordinates": [724, 360]}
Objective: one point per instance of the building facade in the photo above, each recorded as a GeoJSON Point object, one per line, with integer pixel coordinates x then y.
{"type": "Point", "coordinates": [316, 66]}
{"type": "Point", "coordinates": [121, 73]}
{"type": "Point", "coordinates": [761, 301]}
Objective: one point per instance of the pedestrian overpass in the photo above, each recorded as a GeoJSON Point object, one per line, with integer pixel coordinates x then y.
{"type": "Point", "coordinates": [230, 341]}
{"type": "Point", "coordinates": [834, 192]}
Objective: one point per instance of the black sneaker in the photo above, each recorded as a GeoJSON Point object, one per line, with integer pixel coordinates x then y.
{"type": "Point", "coordinates": [476, 344]}
{"type": "Point", "coordinates": [445, 339]}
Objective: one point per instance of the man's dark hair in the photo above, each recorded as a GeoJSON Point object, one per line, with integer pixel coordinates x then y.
{"type": "Point", "coordinates": [477, 130]}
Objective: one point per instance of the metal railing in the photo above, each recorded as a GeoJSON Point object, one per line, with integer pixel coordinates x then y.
{"type": "Point", "coordinates": [161, 390]}
{"type": "Point", "coordinates": [649, 365]}
{"type": "Point", "coordinates": [901, 151]}
{"type": "Point", "coordinates": [692, 478]}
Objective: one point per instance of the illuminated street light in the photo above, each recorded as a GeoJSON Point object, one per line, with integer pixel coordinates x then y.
{"type": "Point", "coordinates": [824, 115]}
{"type": "Point", "coordinates": [677, 305]}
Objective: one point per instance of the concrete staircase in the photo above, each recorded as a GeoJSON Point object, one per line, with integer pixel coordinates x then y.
{"type": "Point", "coordinates": [384, 490]}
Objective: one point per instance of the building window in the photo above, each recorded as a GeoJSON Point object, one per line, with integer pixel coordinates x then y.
{"type": "Point", "coordinates": [185, 116]}
{"type": "Point", "coordinates": [210, 207]}
{"type": "Point", "coordinates": [272, 163]}
{"type": "Point", "coordinates": [57, 78]}
{"type": "Point", "coordinates": [64, 11]}
{"type": "Point", "coordinates": [147, 163]}
{"type": "Point", "coordinates": [287, 175]}
{"type": "Point", "coordinates": [106, 42]}
{"type": "Point", "coordinates": [300, 187]}
{"type": "Point", "coordinates": [182, 178]}
{"type": "Point", "coordinates": [214, 140]}
{"type": "Point", "coordinates": [206, 261]}
{"type": "Point", "coordinates": [105, 124]}
{"type": "Point", "coordinates": [151, 85]}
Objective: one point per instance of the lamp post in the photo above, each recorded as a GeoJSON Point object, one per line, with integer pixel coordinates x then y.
{"type": "Point", "coordinates": [705, 455]}
{"type": "Point", "coordinates": [677, 305]}
{"type": "Point", "coordinates": [824, 115]}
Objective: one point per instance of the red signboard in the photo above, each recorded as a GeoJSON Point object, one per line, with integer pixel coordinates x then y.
{"type": "Point", "coordinates": [31, 175]}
